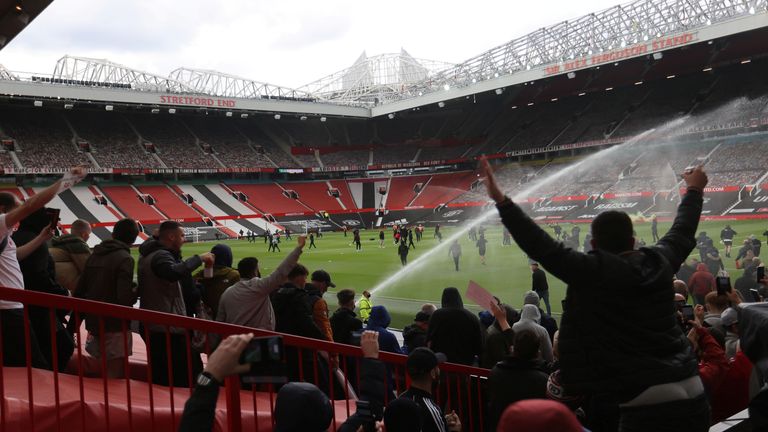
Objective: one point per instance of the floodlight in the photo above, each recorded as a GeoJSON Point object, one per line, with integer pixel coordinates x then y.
{"type": "Point", "coordinates": [670, 76]}
{"type": "Point", "coordinates": [277, 116]}
{"type": "Point", "coordinates": [109, 107]}
{"type": "Point", "coordinates": [582, 94]}
{"type": "Point", "coordinates": [553, 100]}
{"type": "Point", "coordinates": [390, 116]}
{"type": "Point", "coordinates": [608, 88]}
{"type": "Point", "coordinates": [571, 75]}
{"type": "Point", "coordinates": [155, 111]}
{"type": "Point", "coordinates": [498, 91]}
{"type": "Point", "coordinates": [171, 110]}
{"type": "Point", "coordinates": [302, 118]}
{"type": "Point", "coordinates": [639, 83]}
{"type": "Point", "coordinates": [244, 115]}
{"type": "Point", "coordinates": [441, 104]}
{"type": "Point", "coordinates": [228, 114]}
{"type": "Point", "coordinates": [68, 106]}
{"type": "Point", "coordinates": [658, 56]}
{"type": "Point", "coordinates": [707, 69]}
{"type": "Point", "coordinates": [38, 103]}
{"type": "Point", "coordinates": [530, 103]}
{"type": "Point", "coordinates": [323, 119]}
{"type": "Point", "coordinates": [746, 61]}
{"type": "Point", "coordinates": [446, 87]}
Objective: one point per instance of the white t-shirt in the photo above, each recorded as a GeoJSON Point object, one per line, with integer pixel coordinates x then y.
{"type": "Point", "coordinates": [10, 272]}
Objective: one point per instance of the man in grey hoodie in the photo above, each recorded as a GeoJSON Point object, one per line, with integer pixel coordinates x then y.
{"type": "Point", "coordinates": [529, 320]}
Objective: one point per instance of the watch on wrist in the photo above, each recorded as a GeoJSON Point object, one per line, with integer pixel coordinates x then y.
{"type": "Point", "coordinates": [205, 379]}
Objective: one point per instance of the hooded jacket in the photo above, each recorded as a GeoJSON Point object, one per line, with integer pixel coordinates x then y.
{"type": "Point", "coordinates": [529, 320]}
{"type": "Point", "coordinates": [224, 276]}
{"type": "Point", "coordinates": [619, 332]}
{"type": "Point", "coordinates": [455, 331]}
{"type": "Point", "coordinates": [512, 380]}
{"type": "Point", "coordinates": [702, 282]}
{"type": "Point", "coordinates": [108, 277]}
{"type": "Point", "coordinates": [70, 253]}
{"type": "Point", "coordinates": [379, 321]}
{"type": "Point", "coordinates": [165, 281]}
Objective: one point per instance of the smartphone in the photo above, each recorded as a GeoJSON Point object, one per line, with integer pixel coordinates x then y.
{"type": "Point", "coordinates": [760, 273]}
{"type": "Point", "coordinates": [723, 285]}
{"type": "Point", "coordinates": [53, 216]}
{"type": "Point", "coordinates": [687, 311]}
{"type": "Point", "coordinates": [755, 295]}
{"type": "Point", "coordinates": [265, 355]}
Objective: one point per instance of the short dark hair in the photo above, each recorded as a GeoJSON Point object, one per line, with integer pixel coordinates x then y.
{"type": "Point", "coordinates": [247, 267]}
{"type": "Point", "coordinates": [345, 296]}
{"type": "Point", "coordinates": [7, 200]}
{"type": "Point", "coordinates": [167, 227]}
{"type": "Point", "coordinates": [298, 270]}
{"type": "Point", "coordinates": [126, 231]}
{"type": "Point", "coordinates": [80, 226]}
{"type": "Point", "coordinates": [526, 345]}
{"type": "Point", "coordinates": [612, 232]}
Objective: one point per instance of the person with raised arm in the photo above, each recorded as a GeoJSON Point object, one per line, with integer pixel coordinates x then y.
{"type": "Point", "coordinates": [619, 335]}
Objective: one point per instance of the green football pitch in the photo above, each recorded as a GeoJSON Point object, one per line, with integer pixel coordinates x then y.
{"type": "Point", "coordinates": [506, 273]}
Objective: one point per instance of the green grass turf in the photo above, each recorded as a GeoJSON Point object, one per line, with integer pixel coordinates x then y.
{"type": "Point", "coordinates": [506, 274]}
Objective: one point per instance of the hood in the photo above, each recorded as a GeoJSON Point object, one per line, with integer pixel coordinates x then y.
{"type": "Point", "coordinates": [379, 317]}
{"type": "Point", "coordinates": [223, 255]}
{"type": "Point", "coordinates": [66, 240]}
{"type": "Point", "coordinates": [530, 312]}
{"type": "Point", "coordinates": [412, 329]}
{"type": "Point", "coordinates": [451, 298]}
{"type": "Point", "coordinates": [702, 268]}
{"type": "Point", "coordinates": [150, 245]}
{"type": "Point", "coordinates": [539, 415]}
{"type": "Point", "coordinates": [109, 246]}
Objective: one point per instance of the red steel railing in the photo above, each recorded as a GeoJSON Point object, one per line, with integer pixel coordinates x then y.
{"type": "Point", "coordinates": [60, 399]}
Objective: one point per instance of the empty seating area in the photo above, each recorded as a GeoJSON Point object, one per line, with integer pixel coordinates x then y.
{"type": "Point", "coordinates": [113, 143]}
{"type": "Point", "coordinates": [169, 203]}
{"type": "Point", "coordinates": [443, 188]}
{"type": "Point", "coordinates": [356, 157]}
{"type": "Point", "coordinates": [393, 154]}
{"type": "Point", "coordinates": [443, 153]}
{"type": "Point", "coordinates": [401, 190]}
{"type": "Point", "coordinates": [315, 195]}
{"type": "Point", "coordinates": [269, 198]}
{"type": "Point", "coordinates": [228, 144]}
{"type": "Point", "coordinates": [173, 142]}
{"type": "Point", "coordinates": [262, 143]}
{"type": "Point", "coordinates": [128, 203]}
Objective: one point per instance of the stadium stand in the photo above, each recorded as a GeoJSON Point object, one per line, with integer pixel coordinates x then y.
{"type": "Point", "coordinates": [443, 188]}
{"type": "Point", "coordinates": [229, 145]}
{"type": "Point", "coordinates": [401, 190]}
{"type": "Point", "coordinates": [261, 141]}
{"type": "Point", "coordinates": [6, 161]}
{"type": "Point", "coordinates": [126, 200]}
{"type": "Point", "coordinates": [269, 198]}
{"type": "Point", "coordinates": [393, 154]}
{"type": "Point", "coordinates": [174, 143]}
{"type": "Point", "coordinates": [355, 157]}
{"type": "Point", "coordinates": [315, 195]}
{"type": "Point", "coordinates": [344, 193]}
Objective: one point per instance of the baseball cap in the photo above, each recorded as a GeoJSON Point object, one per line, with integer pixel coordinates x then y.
{"type": "Point", "coordinates": [531, 298]}
{"type": "Point", "coordinates": [323, 276]}
{"type": "Point", "coordinates": [729, 317]}
{"type": "Point", "coordinates": [305, 398]}
{"type": "Point", "coordinates": [422, 360]}
{"type": "Point", "coordinates": [422, 317]}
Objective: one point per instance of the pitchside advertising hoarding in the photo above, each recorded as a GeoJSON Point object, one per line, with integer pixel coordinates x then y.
{"type": "Point", "coordinates": [614, 55]}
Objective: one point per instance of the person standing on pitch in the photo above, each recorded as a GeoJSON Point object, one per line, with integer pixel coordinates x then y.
{"type": "Point", "coordinates": [481, 246]}
{"type": "Point", "coordinates": [540, 285]}
{"type": "Point", "coordinates": [455, 252]}
{"type": "Point", "coordinates": [655, 228]}
{"type": "Point", "coordinates": [365, 305]}
{"type": "Point", "coordinates": [410, 239]}
{"type": "Point", "coordinates": [726, 235]}
{"type": "Point", "coordinates": [381, 238]}
{"type": "Point", "coordinates": [402, 250]}
{"type": "Point", "coordinates": [358, 245]}
{"type": "Point", "coordinates": [312, 241]}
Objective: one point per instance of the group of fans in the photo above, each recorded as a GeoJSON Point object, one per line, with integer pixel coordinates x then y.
{"type": "Point", "coordinates": [626, 356]}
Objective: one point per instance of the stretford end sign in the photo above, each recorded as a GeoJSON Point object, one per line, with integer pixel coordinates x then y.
{"type": "Point", "coordinates": [198, 101]}
{"type": "Point", "coordinates": [635, 50]}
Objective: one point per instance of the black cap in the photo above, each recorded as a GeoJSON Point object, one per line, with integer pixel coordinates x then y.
{"type": "Point", "coordinates": [305, 398]}
{"type": "Point", "coordinates": [422, 317]}
{"type": "Point", "coordinates": [422, 360]}
{"type": "Point", "coordinates": [323, 276]}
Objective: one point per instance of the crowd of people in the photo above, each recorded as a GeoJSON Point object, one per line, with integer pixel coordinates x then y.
{"type": "Point", "coordinates": [625, 356]}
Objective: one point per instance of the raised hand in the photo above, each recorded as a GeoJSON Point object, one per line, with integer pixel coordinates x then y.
{"type": "Point", "coordinates": [490, 181]}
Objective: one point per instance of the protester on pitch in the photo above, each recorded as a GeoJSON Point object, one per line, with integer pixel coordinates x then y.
{"type": "Point", "coordinates": [70, 252]}
{"type": "Point", "coordinates": [247, 302]}
{"type": "Point", "coordinates": [482, 244]}
{"type": "Point", "coordinates": [646, 360]}
{"type": "Point", "coordinates": [726, 236]}
{"type": "Point", "coordinates": [455, 252]}
{"type": "Point", "coordinates": [540, 285]}
{"type": "Point", "coordinates": [701, 283]}
{"type": "Point", "coordinates": [402, 251]}
{"type": "Point", "coordinates": [108, 277]}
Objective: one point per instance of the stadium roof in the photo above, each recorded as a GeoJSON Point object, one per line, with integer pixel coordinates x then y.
{"type": "Point", "coordinates": [15, 16]}
{"type": "Point", "coordinates": [384, 84]}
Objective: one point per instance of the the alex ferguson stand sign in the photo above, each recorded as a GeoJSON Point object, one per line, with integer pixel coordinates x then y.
{"type": "Point", "coordinates": [646, 47]}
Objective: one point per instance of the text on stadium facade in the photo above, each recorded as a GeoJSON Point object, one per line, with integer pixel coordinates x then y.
{"type": "Point", "coordinates": [623, 53]}
{"type": "Point", "coordinates": [198, 101]}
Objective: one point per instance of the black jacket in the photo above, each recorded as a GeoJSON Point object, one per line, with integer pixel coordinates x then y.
{"type": "Point", "coordinates": [455, 331]}
{"type": "Point", "coordinates": [414, 337]}
{"type": "Point", "coordinates": [293, 314]}
{"type": "Point", "coordinates": [539, 281]}
{"type": "Point", "coordinates": [619, 332]}
{"type": "Point", "coordinates": [513, 380]}
{"type": "Point", "coordinates": [343, 323]}
{"type": "Point", "coordinates": [372, 373]}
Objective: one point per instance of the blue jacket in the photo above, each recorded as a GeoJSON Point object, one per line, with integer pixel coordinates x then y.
{"type": "Point", "coordinates": [379, 321]}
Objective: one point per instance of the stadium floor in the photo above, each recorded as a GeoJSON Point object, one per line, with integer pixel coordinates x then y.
{"type": "Point", "coordinates": [506, 273]}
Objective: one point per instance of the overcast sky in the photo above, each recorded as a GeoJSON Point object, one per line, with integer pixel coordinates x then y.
{"type": "Point", "coordinates": [285, 42]}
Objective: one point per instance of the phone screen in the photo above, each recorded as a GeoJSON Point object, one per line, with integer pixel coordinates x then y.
{"type": "Point", "coordinates": [53, 216]}
{"type": "Point", "coordinates": [760, 273]}
{"type": "Point", "coordinates": [265, 354]}
{"type": "Point", "coordinates": [755, 295]}
{"type": "Point", "coordinates": [723, 285]}
{"type": "Point", "coordinates": [687, 311]}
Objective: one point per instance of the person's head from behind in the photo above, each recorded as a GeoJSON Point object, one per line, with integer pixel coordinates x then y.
{"type": "Point", "coordinates": [223, 254]}
{"type": "Point", "coordinates": [346, 298]}
{"type": "Point", "coordinates": [612, 232]}
{"type": "Point", "coordinates": [298, 275]}
{"type": "Point", "coordinates": [305, 398]}
{"type": "Point", "coordinates": [423, 367]}
{"type": "Point", "coordinates": [715, 303]}
{"type": "Point", "coordinates": [526, 345]}
{"type": "Point", "coordinates": [681, 288]}
{"type": "Point", "coordinates": [428, 308]}
{"type": "Point", "coordinates": [126, 231]}
{"type": "Point", "coordinates": [451, 298]}
{"type": "Point", "coordinates": [8, 202]}
{"type": "Point", "coordinates": [248, 268]}
{"type": "Point", "coordinates": [171, 235]}
{"type": "Point", "coordinates": [81, 229]}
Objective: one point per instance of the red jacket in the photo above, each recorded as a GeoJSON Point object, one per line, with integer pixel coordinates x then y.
{"type": "Point", "coordinates": [732, 395]}
{"type": "Point", "coordinates": [701, 282]}
{"type": "Point", "coordinates": [713, 366]}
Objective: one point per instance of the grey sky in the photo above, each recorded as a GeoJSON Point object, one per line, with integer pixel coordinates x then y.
{"type": "Point", "coordinates": [288, 42]}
